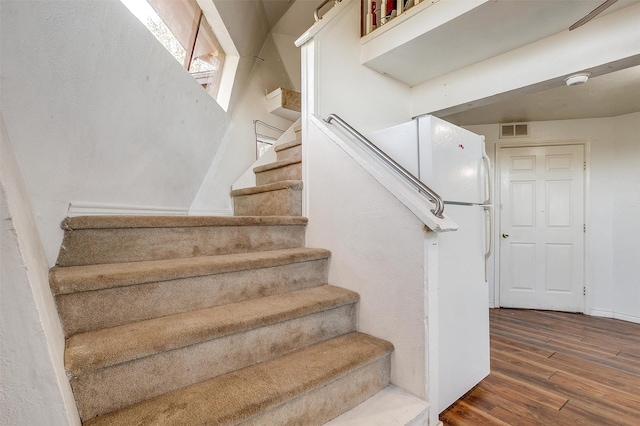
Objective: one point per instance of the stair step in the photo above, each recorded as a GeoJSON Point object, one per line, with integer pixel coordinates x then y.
{"type": "Point", "coordinates": [278, 171]}
{"type": "Point", "coordinates": [118, 239]}
{"type": "Point", "coordinates": [290, 150]}
{"type": "Point", "coordinates": [308, 386]}
{"type": "Point", "coordinates": [116, 367]}
{"type": "Point", "coordinates": [100, 296]}
{"type": "Point", "coordinates": [101, 348]}
{"type": "Point", "coordinates": [282, 198]}
{"type": "Point", "coordinates": [389, 407]}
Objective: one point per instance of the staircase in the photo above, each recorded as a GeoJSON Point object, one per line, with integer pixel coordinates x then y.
{"type": "Point", "coordinates": [212, 320]}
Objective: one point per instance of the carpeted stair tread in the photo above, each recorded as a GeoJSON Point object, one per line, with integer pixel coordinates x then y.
{"type": "Point", "coordinates": [240, 395]}
{"type": "Point", "coordinates": [119, 239]}
{"type": "Point", "coordinates": [287, 145]}
{"type": "Point", "coordinates": [275, 165]}
{"type": "Point", "coordinates": [283, 184]}
{"type": "Point", "coordinates": [107, 222]}
{"type": "Point", "coordinates": [101, 348]}
{"type": "Point", "coordinates": [71, 279]}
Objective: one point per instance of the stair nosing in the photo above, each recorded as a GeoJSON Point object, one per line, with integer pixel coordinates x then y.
{"type": "Point", "coordinates": [288, 145]}
{"type": "Point", "coordinates": [268, 187]}
{"type": "Point", "coordinates": [131, 221]}
{"type": "Point", "coordinates": [85, 352]}
{"type": "Point", "coordinates": [276, 165]}
{"type": "Point", "coordinates": [73, 279]}
{"type": "Point", "coordinates": [301, 372]}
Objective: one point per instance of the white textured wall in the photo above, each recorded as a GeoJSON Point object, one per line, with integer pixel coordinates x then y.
{"type": "Point", "coordinates": [98, 111]}
{"type": "Point", "coordinates": [367, 100]}
{"type": "Point", "coordinates": [238, 148]}
{"type": "Point", "coordinates": [377, 249]}
{"type": "Point", "coordinates": [34, 389]}
{"type": "Point", "coordinates": [626, 217]}
{"type": "Point", "coordinates": [612, 254]}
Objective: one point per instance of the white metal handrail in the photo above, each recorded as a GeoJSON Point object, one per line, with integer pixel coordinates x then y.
{"type": "Point", "coordinates": [424, 189]}
{"type": "Point", "coordinates": [316, 13]}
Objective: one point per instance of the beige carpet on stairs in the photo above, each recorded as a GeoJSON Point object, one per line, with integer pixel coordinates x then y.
{"type": "Point", "coordinates": [212, 320]}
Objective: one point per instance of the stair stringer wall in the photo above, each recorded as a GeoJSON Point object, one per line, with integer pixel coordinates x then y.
{"type": "Point", "coordinates": [369, 218]}
{"type": "Point", "coordinates": [35, 389]}
{"type": "Point", "coordinates": [380, 249]}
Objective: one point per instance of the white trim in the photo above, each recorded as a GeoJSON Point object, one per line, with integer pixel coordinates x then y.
{"type": "Point", "coordinates": [601, 313]}
{"type": "Point", "coordinates": [615, 315]}
{"type": "Point", "coordinates": [625, 317]}
{"type": "Point", "coordinates": [210, 212]}
{"type": "Point", "coordinates": [587, 301]}
{"type": "Point", "coordinates": [309, 71]}
{"type": "Point", "coordinates": [232, 56]}
{"type": "Point", "coordinates": [87, 208]}
{"type": "Point", "coordinates": [431, 253]}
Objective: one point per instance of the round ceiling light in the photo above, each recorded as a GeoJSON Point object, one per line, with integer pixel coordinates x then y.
{"type": "Point", "coordinates": [576, 79]}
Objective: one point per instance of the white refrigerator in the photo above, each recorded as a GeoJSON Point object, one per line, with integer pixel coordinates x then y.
{"type": "Point", "coordinates": [452, 161]}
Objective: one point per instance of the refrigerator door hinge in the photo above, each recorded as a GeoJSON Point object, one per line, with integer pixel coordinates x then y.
{"type": "Point", "coordinates": [584, 228]}
{"type": "Point", "coordinates": [584, 166]}
{"type": "Point", "coordinates": [584, 291]}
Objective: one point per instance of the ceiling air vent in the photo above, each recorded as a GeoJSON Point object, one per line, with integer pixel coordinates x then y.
{"type": "Point", "coordinates": [514, 130]}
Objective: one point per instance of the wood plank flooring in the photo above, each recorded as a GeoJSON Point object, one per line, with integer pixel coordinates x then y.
{"type": "Point", "coordinates": [555, 368]}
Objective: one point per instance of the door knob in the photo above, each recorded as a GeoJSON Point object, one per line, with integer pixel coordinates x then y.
{"type": "Point", "coordinates": [505, 235]}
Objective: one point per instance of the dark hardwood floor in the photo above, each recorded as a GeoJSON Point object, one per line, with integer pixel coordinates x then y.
{"type": "Point", "coordinates": [555, 368]}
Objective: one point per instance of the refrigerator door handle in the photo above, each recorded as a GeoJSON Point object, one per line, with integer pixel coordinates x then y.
{"type": "Point", "coordinates": [489, 180]}
{"type": "Point", "coordinates": [489, 251]}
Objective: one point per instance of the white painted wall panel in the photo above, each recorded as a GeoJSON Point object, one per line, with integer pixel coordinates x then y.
{"type": "Point", "coordinates": [367, 100]}
{"type": "Point", "coordinates": [98, 111]}
{"type": "Point", "coordinates": [378, 250]}
{"type": "Point", "coordinates": [626, 224]}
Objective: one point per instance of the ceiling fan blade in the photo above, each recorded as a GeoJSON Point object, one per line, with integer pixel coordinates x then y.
{"type": "Point", "coordinates": [595, 12]}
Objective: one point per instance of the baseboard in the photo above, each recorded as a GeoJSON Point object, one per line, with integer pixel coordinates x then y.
{"type": "Point", "coordinates": [629, 318]}
{"type": "Point", "coordinates": [615, 315]}
{"type": "Point", "coordinates": [83, 208]}
{"type": "Point", "coordinates": [492, 305]}
{"type": "Point", "coordinates": [204, 212]}
{"type": "Point", "coordinates": [600, 313]}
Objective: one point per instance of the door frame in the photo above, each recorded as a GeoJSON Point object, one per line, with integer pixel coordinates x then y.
{"type": "Point", "coordinates": [497, 215]}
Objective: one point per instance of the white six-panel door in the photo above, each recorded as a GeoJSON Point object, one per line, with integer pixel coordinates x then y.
{"type": "Point", "coordinates": [541, 227]}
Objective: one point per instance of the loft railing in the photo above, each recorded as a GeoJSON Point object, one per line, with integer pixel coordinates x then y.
{"type": "Point", "coordinates": [377, 13]}
{"type": "Point", "coordinates": [430, 194]}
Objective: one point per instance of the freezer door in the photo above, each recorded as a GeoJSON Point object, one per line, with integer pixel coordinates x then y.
{"type": "Point", "coordinates": [400, 143]}
{"type": "Point", "coordinates": [463, 306]}
{"type": "Point", "coordinates": [451, 161]}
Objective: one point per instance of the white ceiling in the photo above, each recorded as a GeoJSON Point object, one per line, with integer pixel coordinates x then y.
{"type": "Point", "coordinates": [606, 95]}
{"type": "Point", "coordinates": [490, 29]}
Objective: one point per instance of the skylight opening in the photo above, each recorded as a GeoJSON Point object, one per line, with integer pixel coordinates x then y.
{"type": "Point", "coordinates": [180, 26]}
